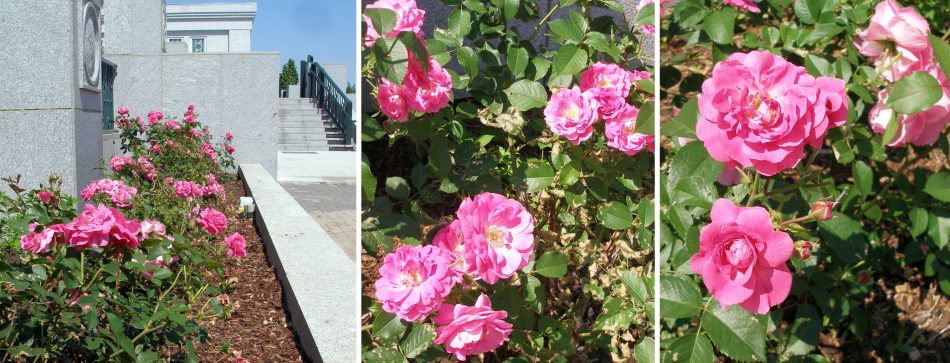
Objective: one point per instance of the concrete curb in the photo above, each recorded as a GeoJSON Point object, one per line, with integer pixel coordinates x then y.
{"type": "Point", "coordinates": [318, 279]}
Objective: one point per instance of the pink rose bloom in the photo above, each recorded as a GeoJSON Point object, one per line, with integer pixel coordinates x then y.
{"type": "Point", "coordinates": [572, 114]}
{"type": "Point", "coordinates": [208, 150]}
{"type": "Point", "coordinates": [154, 117]}
{"type": "Point", "coordinates": [922, 128]}
{"type": "Point", "coordinates": [123, 111]}
{"type": "Point", "coordinates": [197, 133]}
{"type": "Point", "coordinates": [408, 18]}
{"type": "Point", "coordinates": [742, 258]}
{"type": "Point", "coordinates": [236, 245]}
{"type": "Point", "coordinates": [229, 148]}
{"type": "Point", "coordinates": [44, 196]}
{"type": "Point", "coordinates": [100, 225]}
{"type": "Point", "coordinates": [118, 162]}
{"type": "Point", "coordinates": [190, 119]}
{"type": "Point", "coordinates": [118, 192]}
{"type": "Point", "coordinates": [427, 92]}
{"type": "Point", "coordinates": [152, 226]}
{"type": "Point", "coordinates": [759, 110]}
{"type": "Point", "coordinates": [498, 234]}
{"type": "Point", "coordinates": [606, 80]}
{"type": "Point", "coordinates": [172, 125]}
{"type": "Point", "coordinates": [900, 32]}
{"type": "Point", "coordinates": [156, 149]}
{"type": "Point", "coordinates": [729, 175]}
{"type": "Point", "coordinates": [621, 136]}
{"type": "Point", "coordinates": [213, 221]}
{"type": "Point", "coordinates": [449, 238]}
{"type": "Point", "coordinates": [37, 242]}
{"type": "Point", "coordinates": [228, 135]}
{"type": "Point", "coordinates": [749, 5]}
{"type": "Point", "coordinates": [470, 330]}
{"type": "Point", "coordinates": [187, 189]}
{"type": "Point", "coordinates": [391, 101]}
{"type": "Point", "coordinates": [414, 280]}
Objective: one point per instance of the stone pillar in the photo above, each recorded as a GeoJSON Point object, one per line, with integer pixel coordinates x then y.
{"type": "Point", "coordinates": [50, 101]}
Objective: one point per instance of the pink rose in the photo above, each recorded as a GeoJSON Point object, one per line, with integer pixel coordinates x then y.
{"type": "Point", "coordinates": [152, 226]}
{"type": "Point", "coordinates": [100, 225]}
{"type": "Point", "coordinates": [759, 110]}
{"type": "Point", "coordinates": [118, 162]}
{"type": "Point", "coordinates": [230, 149]}
{"type": "Point", "coordinates": [449, 238]}
{"type": "Point", "coordinates": [572, 114]}
{"type": "Point", "coordinates": [118, 192]}
{"type": "Point", "coordinates": [37, 242]}
{"type": "Point", "coordinates": [408, 18]}
{"type": "Point", "coordinates": [414, 280]}
{"type": "Point", "coordinates": [209, 151]}
{"type": "Point", "coordinates": [620, 132]}
{"type": "Point", "coordinates": [730, 174]}
{"type": "Point", "coordinates": [213, 221]}
{"type": "Point", "coordinates": [742, 258]}
{"type": "Point", "coordinates": [749, 5]}
{"type": "Point", "coordinates": [190, 119]}
{"type": "Point", "coordinates": [470, 330]}
{"type": "Point", "coordinates": [498, 234]}
{"type": "Point", "coordinates": [236, 245]}
{"type": "Point", "coordinates": [154, 117]}
{"type": "Point", "coordinates": [896, 32]}
{"type": "Point", "coordinates": [922, 128]}
{"type": "Point", "coordinates": [228, 135]}
{"type": "Point", "coordinates": [123, 111]}
{"type": "Point", "coordinates": [606, 80]}
{"type": "Point", "coordinates": [426, 92]}
{"type": "Point", "coordinates": [44, 196]}
{"type": "Point", "coordinates": [391, 101]}
{"type": "Point", "coordinates": [172, 125]}
{"type": "Point", "coordinates": [187, 189]}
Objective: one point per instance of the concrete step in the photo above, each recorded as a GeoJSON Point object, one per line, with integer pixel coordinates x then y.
{"type": "Point", "coordinates": [304, 138]}
{"type": "Point", "coordinates": [300, 148]}
{"type": "Point", "coordinates": [305, 123]}
{"type": "Point", "coordinates": [306, 118]}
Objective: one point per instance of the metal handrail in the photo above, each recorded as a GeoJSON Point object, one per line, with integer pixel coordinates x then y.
{"type": "Point", "coordinates": [329, 96]}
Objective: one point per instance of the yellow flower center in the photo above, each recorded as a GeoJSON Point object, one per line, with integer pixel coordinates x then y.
{"type": "Point", "coordinates": [495, 236]}
{"type": "Point", "coordinates": [411, 278]}
{"type": "Point", "coordinates": [572, 112]}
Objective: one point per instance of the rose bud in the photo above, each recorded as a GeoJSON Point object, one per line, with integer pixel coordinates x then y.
{"type": "Point", "coordinates": [864, 278]}
{"type": "Point", "coordinates": [803, 249]}
{"type": "Point", "coordinates": [44, 196]}
{"type": "Point", "coordinates": [821, 210]}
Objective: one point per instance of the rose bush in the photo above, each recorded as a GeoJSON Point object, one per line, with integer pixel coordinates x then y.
{"type": "Point", "coordinates": [126, 278]}
{"type": "Point", "coordinates": [806, 178]}
{"type": "Point", "coordinates": [507, 185]}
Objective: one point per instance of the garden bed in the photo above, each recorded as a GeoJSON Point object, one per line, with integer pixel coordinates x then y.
{"type": "Point", "coordinates": [257, 329]}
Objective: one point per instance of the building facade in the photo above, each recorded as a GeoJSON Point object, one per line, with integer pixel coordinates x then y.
{"type": "Point", "coordinates": [209, 28]}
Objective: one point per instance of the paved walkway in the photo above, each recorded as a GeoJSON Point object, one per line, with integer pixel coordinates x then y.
{"type": "Point", "coordinates": [333, 206]}
{"type": "Point", "coordinates": [324, 184]}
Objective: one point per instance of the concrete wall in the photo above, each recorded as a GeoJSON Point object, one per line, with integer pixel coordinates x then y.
{"type": "Point", "coordinates": [133, 27]}
{"type": "Point", "coordinates": [49, 125]}
{"type": "Point", "coordinates": [217, 41]}
{"type": "Point", "coordinates": [234, 92]}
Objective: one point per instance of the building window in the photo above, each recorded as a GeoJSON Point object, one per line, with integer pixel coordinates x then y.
{"type": "Point", "coordinates": [198, 45]}
{"type": "Point", "coordinates": [174, 40]}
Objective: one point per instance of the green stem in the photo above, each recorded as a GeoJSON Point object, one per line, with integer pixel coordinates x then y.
{"type": "Point", "coordinates": [534, 32]}
{"type": "Point", "coordinates": [753, 189]}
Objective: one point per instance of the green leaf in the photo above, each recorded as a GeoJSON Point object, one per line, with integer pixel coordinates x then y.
{"type": "Point", "coordinates": [684, 124]}
{"type": "Point", "coordinates": [384, 355]}
{"type": "Point", "coordinates": [615, 316]}
{"type": "Point", "coordinates": [517, 59]}
{"type": "Point", "coordinates": [510, 9]}
{"type": "Point", "coordinates": [392, 59]}
{"type": "Point", "coordinates": [918, 221]}
{"type": "Point", "coordinates": [533, 291]}
{"type": "Point", "coordinates": [863, 177]}
{"type": "Point", "coordinates": [890, 130]}
{"type": "Point", "coordinates": [818, 66]}
{"type": "Point", "coordinates": [551, 264]}
{"type": "Point", "coordinates": [414, 45]}
{"type": "Point", "coordinates": [695, 191]}
{"type": "Point", "coordinates": [644, 351]}
{"type": "Point", "coordinates": [397, 187]}
{"type": "Point", "coordinates": [539, 176]}
{"type": "Point", "coordinates": [388, 327]}
{"type": "Point", "coordinates": [460, 24]}
{"type": "Point", "coordinates": [805, 330]}
{"type": "Point", "coordinates": [570, 60]}
{"type": "Point", "coordinates": [418, 340]}
{"type": "Point", "coordinates": [679, 297]}
{"type": "Point", "coordinates": [645, 15]}
{"type": "Point", "coordinates": [526, 94]}
{"type": "Point", "coordinates": [439, 158]}
{"type": "Point", "coordinates": [735, 331]}
{"type": "Point", "coordinates": [601, 43]}
{"type": "Point", "coordinates": [645, 122]}
{"type": "Point", "coordinates": [720, 25]}
{"type": "Point", "coordinates": [941, 52]}
{"type": "Point", "coordinates": [692, 159]}
{"type": "Point", "coordinates": [570, 173]}
{"type": "Point", "coordinates": [938, 186]}
{"type": "Point", "coordinates": [914, 93]}
{"type": "Point", "coordinates": [692, 348]}
{"type": "Point", "coordinates": [636, 286]}
{"type": "Point", "coordinates": [572, 28]}
{"type": "Point", "coordinates": [845, 238]}
{"type": "Point", "coordinates": [383, 20]}
{"type": "Point", "coordinates": [615, 215]}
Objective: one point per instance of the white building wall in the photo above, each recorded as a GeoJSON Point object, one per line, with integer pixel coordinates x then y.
{"type": "Point", "coordinates": [226, 27]}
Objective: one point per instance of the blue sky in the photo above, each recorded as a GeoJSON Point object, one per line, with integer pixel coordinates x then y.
{"type": "Point", "coordinates": [325, 29]}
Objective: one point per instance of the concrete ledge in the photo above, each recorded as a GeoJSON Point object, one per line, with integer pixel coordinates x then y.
{"type": "Point", "coordinates": [320, 282]}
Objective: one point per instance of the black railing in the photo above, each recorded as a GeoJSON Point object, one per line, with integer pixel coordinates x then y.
{"type": "Point", "coordinates": [319, 86]}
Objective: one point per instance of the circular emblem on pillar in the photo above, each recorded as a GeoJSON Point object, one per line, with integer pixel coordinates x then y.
{"type": "Point", "coordinates": [91, 41]}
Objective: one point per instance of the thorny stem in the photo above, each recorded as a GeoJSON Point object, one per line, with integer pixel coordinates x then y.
{"type": "Point", "coordinates": [534, 32]}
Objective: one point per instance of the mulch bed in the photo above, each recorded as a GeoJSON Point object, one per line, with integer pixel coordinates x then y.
{"type": "Point", "coordinates": [257, 328]}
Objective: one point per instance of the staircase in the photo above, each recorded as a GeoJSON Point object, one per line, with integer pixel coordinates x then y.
{"type": "Point", "coordinates": [303, 127]}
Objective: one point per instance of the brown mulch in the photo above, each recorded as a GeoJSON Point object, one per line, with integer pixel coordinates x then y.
{"type": "Point", "coordinates": [257, 328]}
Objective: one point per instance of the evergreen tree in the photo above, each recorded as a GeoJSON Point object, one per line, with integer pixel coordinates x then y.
{"type": "Point", "coordinates": [288, 76]}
